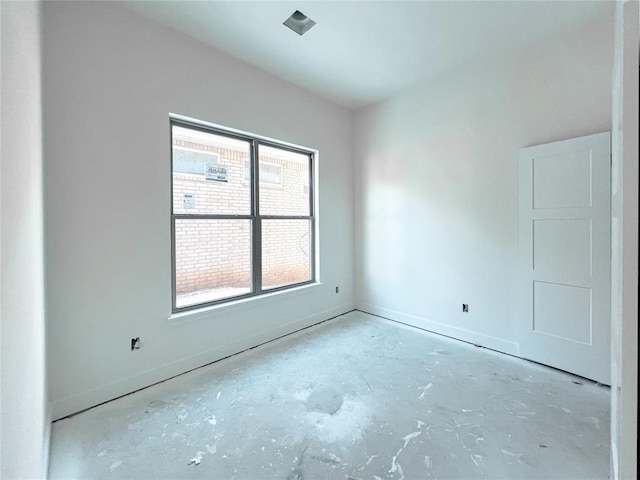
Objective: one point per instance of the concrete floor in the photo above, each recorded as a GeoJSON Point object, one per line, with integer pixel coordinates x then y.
{"type": "Point", "coordinates": [358, 397]}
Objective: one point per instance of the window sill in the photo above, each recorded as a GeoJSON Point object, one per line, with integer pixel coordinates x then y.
{"type": "Point", "coordinates": [211, 312]}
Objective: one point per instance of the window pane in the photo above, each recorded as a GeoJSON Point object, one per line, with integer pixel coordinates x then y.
{"type": "Point", "coordinates": [286, 252]}
{"type": "Point", "coordinates": [284, 182]}
{"type": "Point", "coordinates": [208, 173]}
{"type": "Point", "coordinates": [213, 260]}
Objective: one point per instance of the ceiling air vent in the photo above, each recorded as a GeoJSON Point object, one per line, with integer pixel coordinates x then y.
{"type": "Point", "coordinates": [299, 22]}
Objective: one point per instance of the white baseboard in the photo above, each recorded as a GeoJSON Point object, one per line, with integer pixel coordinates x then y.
{"type": "Point", "coordinates": [46, 441]}
{"type": "Point", "coordinates": [469, 336]}
{"type": "Point", "coordinates": [76, 403]}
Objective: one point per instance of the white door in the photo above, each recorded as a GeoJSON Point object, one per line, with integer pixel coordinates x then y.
{"type": "Point", "coordinates": [564, 265]}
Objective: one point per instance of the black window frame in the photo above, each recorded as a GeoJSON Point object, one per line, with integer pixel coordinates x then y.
{"type": "Point", "coordinates": [254, 216]}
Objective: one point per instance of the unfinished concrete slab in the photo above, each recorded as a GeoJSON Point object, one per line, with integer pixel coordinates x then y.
{"type": "Point", "coordinates": [358, 397]}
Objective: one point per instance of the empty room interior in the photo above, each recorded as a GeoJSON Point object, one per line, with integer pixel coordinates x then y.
{"type": "Point", "coordinates": [319, 239]}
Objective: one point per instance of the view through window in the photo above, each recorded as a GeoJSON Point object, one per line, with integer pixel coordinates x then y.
{"type": "Point", "coordinates": [242, 215]}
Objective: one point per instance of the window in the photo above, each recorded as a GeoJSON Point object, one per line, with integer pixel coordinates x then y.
{"type": "Point", "coordinates": [233, 234]}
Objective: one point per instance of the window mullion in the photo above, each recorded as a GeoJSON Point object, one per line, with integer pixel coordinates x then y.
{"type": "Point", "coordinates": [204, 216]}
{"type": "Point", "coordinates": [256, 231]}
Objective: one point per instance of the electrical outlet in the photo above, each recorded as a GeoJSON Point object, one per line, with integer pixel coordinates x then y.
{"type": "Point", "coordinates": [337, 289]}
{"type": "Point", "coordinates": [465, 307]}
{"type": "Point", "coordinates": [135, 343]}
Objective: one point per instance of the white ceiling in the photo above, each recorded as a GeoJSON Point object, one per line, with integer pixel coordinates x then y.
{"type": "Point", "coordinates": [361, 52]}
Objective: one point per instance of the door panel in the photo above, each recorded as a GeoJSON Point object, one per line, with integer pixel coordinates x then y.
{"type": "Point", "coordinates": [564, 266]}
{"type": "Point", "coordinates": [562, 248]}
{"type": "Point", "coordinates": [553, 173]}
{"type": "Point", "coordinates": [553, 303]}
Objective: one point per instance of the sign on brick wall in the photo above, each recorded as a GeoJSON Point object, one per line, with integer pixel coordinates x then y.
{"type": "Point", "coordinates": [216, 172]}
{"type": "Point", "coordinates": [188, 201]}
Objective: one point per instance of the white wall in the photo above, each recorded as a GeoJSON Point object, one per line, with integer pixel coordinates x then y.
{"type": "Point", "coordinates": [624, 242]}
{"type": "Point", "coordinates": [111, 78]}
{"type": "Point", "coordinates": [24, 432]}
{"type": "Point", "coordinates": [436, 188]}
